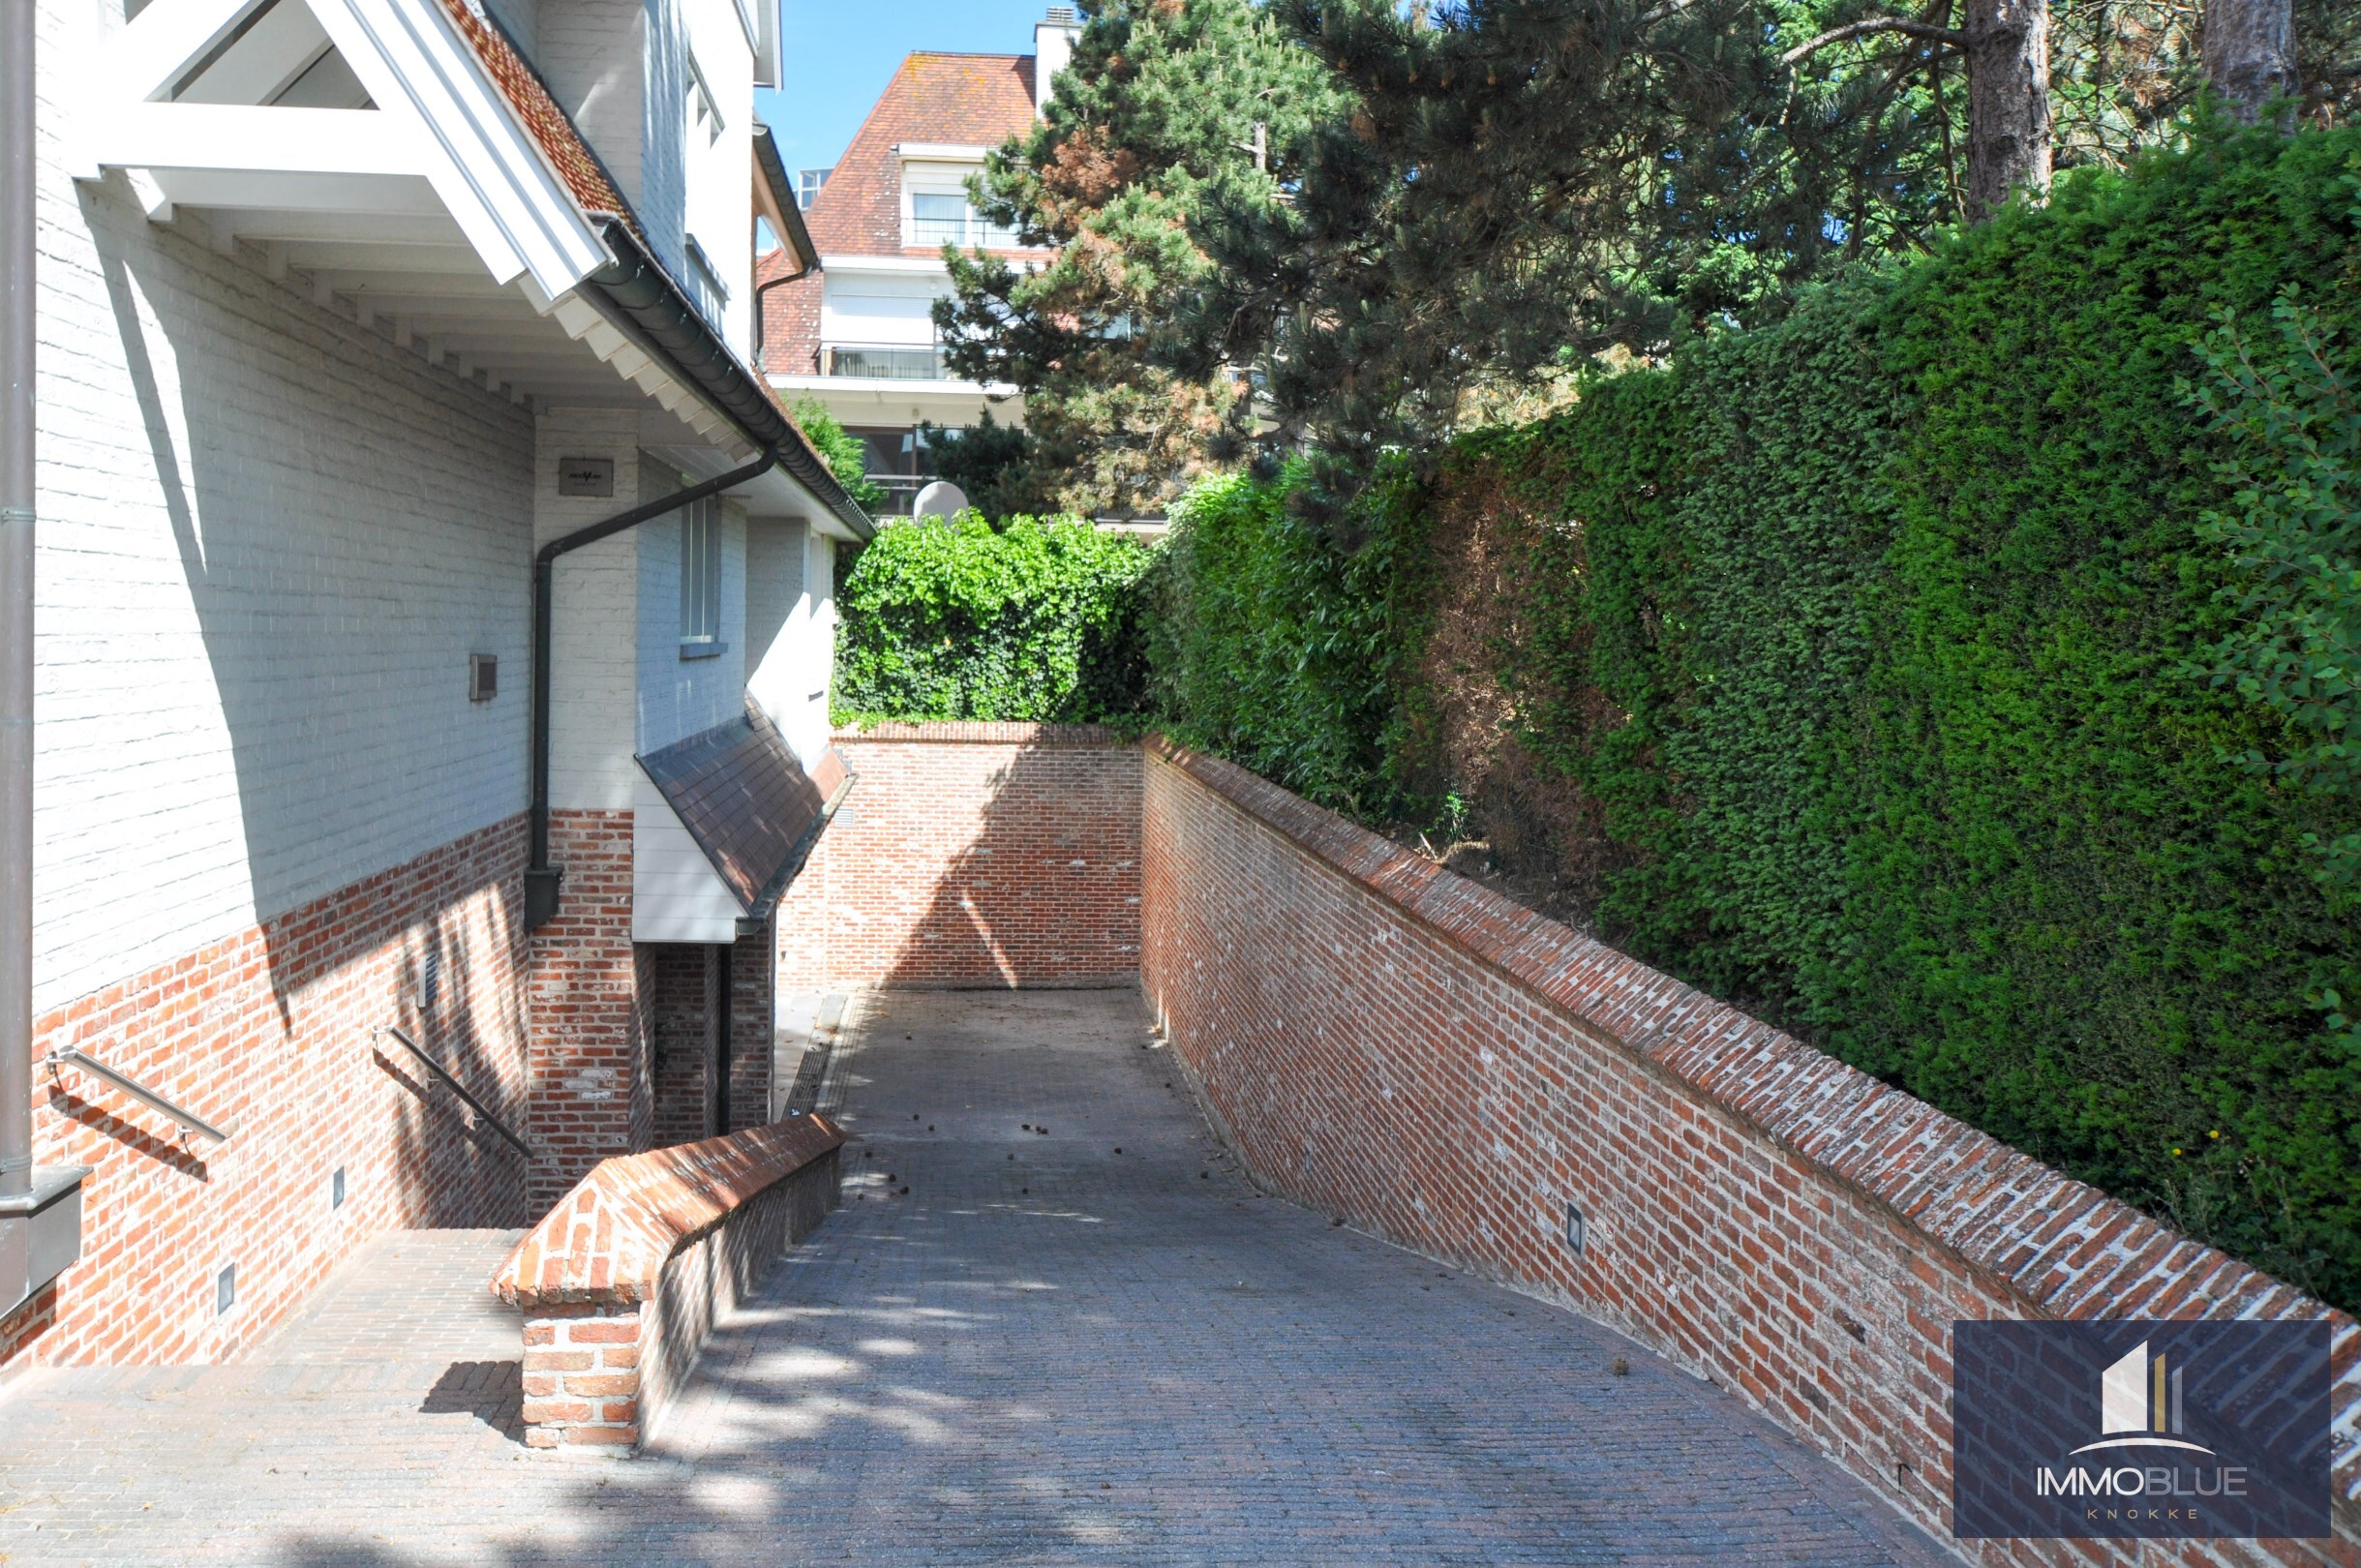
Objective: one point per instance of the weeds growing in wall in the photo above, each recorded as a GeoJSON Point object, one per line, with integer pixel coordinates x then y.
{"type": "Point", "coordinates": [1950, 672]}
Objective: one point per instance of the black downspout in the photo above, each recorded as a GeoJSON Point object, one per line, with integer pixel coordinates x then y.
{"type": "Point", "coordinates": [542, 878]}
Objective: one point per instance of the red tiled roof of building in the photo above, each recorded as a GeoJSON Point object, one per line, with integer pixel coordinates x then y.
{"type": "Point", "coordinates": [586, 178]}
{"type": "Point", "coordinates": [791, 316]}
{"type": "Point", "coordinates": [967, 100]}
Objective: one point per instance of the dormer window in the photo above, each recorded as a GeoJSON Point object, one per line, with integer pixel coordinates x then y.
{"type": "Point", "coordinates": [935, 207]}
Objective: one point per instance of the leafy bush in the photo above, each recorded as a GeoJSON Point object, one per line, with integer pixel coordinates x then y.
{"type": "Point", "coordinates": [846, 458]}
{"type": "Point", "coordinates": [1034, 621]}
{"type": "Point", "coordinates": [1860, 668]}
{"type": "Point", "coordinates": [1271, 648]}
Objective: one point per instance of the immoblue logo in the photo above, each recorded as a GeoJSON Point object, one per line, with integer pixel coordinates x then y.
{"type": "Point", "coordinates": [2179, 1430]}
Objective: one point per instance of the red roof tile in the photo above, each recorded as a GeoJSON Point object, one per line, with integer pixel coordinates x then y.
{"type": "Point", "coordinates": [585, 177]}
{"type": "Point", "coordinates": [975, 100]}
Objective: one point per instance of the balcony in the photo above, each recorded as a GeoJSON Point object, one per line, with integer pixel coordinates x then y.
{"type": "Point", "coordinates": [882, 364]}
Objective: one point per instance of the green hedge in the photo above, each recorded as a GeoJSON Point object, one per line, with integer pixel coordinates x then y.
{"type": "Point", "coordinates": [1866, 658]}
{"type": "Point", "coordinates": [1037, 620]}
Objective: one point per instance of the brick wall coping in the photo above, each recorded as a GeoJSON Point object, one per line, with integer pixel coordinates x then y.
{"type": "Point", "coordinates": [986, 733]}
{"type": "Point", "coordinates": [2063, 1248]}
{"type": "Point", "coordinates": [607, 1241]}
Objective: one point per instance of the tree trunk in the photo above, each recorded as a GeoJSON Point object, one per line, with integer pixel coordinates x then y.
{"type": "Point", "coordinates": [2249, 52]}
{"type": "Point", "coordinates": [2008, 69]}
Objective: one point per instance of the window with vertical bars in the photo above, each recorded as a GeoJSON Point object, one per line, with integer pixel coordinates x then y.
{"type": "Point", "coordinates": [701, 577]}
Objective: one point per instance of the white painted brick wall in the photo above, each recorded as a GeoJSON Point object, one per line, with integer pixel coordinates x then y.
{"type": "Point", "coordinates": [592, 55]}
{"type": "Point", "coordinates": [593, 669]}
{"type": "Point", "coordinates": [269, 541]}
{"type": "Point", "coordinates": [678, 697]}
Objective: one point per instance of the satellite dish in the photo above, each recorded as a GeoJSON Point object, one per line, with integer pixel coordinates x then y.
{"type": "Point", "coordinates": [940, 498]}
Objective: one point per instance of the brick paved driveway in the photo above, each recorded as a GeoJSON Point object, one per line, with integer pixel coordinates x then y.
{"type": "Point", "coordinates": [1044, 1351]}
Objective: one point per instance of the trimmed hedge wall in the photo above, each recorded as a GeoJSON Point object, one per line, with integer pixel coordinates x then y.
{"type": "Point", "coordinates": [1855, 669]}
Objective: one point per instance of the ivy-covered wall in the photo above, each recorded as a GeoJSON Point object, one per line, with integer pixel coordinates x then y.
{"type": "Point", "coordinates": [1035, 620]}
{"type": "Point", "coordinates": [1860, 670]}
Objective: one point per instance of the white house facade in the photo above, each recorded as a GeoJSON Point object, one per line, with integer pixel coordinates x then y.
{"type": "Point", "coordinates": [431, 637]}
{"type": "Point", "coordinates": [857, 334]}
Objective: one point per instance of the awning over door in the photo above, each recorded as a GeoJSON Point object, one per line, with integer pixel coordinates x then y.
{"type": "Point", "coordinates": [723, 822]}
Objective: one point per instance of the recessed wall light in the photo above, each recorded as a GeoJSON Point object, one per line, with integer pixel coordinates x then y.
{"type": "Point", "coordinates": [225, 1290]}
{"type": "Point", "coordinates": [1577, 1231]}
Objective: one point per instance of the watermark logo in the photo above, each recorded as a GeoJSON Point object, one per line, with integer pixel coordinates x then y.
{"type": "Point", "coordinates": [2171, 1429]}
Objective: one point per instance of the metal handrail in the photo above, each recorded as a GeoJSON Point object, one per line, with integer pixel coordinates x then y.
{"type": "Point", "coordinates": [189, 1121]}
{"type": "Point", "coordinates": [460, 1089]}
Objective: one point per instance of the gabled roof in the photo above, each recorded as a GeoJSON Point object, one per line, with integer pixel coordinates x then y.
{"type": "Point", "coordinates": [586, 178]}
{"type": "Point", "coordinates": [970, 100]}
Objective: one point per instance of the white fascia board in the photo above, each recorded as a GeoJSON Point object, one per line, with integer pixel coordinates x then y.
{"type": "Point", "coordinates": [939, 152]}
{"type": "Point", "coordinates": [489, 172]}
{"type": "Point", "coordinates": [617, 349]}
{"type": "Point", "coordinates": [233, 137]}
{"type": "Point", "coordinates": [883, 265]}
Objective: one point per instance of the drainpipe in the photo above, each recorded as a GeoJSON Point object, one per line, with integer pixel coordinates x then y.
{"type": "Point", "coordinates": [40, 1209]}
{"type": "Point", "coordinates": [542, 878]}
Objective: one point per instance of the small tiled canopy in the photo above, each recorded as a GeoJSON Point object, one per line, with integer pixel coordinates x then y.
{"type": "Point", "coordinates": [752, 809]}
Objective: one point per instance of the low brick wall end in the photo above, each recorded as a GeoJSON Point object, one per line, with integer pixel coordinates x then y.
{"type": "Point", "coordinates": [620, 1283]}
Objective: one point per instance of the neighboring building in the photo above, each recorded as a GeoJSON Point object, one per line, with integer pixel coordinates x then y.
{"type": "Point", "coordinates": [346, 310]}
{"type": "Point", "coordinates": [860, 335]}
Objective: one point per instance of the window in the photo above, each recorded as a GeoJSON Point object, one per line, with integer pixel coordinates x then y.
{"type": "Point", "coordinates": [808, 183]}
{"type": "Point", "coordinates": [885, 364]}
{"type": "Point", "coordinates": [701, 579]}
{"type": "Point", "coordinates": [944, 217]}
{"type": "Point", "coordinates": [705, 285]}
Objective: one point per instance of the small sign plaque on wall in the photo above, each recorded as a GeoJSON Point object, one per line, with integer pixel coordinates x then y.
{"type": "Point", "coordinates": [586, 477]}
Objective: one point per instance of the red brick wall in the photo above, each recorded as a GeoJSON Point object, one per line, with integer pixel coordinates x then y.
{"type": "Point", "coordinates": [685, 1009]}
{"type": "Point", "coordinates": [271, 1030]}
{"type": "Point", "coordinates": [1392, 1043]}
{"type": "Point", "coordinates": [683, 1015]}
{"type": "Point", "coordinates": [591, 996]}
{"type": "Point", "coordinates": [754, 966]}
{"type": "Point", "coordinates": [973, 854]}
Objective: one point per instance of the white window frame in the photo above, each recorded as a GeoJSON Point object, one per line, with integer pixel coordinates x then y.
{"type": "Point", "coordinates": [701, 579]}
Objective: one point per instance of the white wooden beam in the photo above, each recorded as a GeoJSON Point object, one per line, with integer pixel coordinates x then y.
{"type": "Point", "coordinates": [233, 137]}
{"type": "Point", "coordinates": [167, 37]}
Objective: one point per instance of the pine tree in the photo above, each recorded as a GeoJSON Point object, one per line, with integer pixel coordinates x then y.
{"type": "Point", "coordinates": [1522, 184]}
{"type": "Point", "coordinates": [1169, 106]}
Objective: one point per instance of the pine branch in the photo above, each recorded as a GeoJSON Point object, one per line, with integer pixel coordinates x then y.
{"type": "Point", "coordinates": [1951, 36]}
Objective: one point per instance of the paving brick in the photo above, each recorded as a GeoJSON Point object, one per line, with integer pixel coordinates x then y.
{"type": "Point", "coordinates": [1045, 1352]}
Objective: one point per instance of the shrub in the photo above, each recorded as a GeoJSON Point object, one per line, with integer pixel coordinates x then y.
{"type": "Point", "coordinates": [1863, 667]}
{"type": "Point", "coordinates": [1034, 621]}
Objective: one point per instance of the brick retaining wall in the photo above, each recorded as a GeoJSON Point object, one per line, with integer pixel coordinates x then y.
{"type": "Point", "coordinates": [622, 1283]}
{"type": "Point", "coordinates": [973, 854]}
{"type": "Point", "coordinates": [1399, 1047]}
{"type": "Point", "coordinates": [270, 1030]}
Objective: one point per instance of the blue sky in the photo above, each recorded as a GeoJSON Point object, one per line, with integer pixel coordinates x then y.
{"type": "Point", "coordinates": [839, 55]}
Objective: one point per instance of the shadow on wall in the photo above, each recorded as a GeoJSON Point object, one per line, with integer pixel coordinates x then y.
{"type": "Point", "coordinates": [302, 534]}
{"type": "Point", "coordinates": [351, 525]}
{"type": "Point", "coordinates": [995, 856]}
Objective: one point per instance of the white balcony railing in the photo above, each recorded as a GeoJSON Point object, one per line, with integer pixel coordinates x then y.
{"type": "Point", "coordinates": [882, 363]}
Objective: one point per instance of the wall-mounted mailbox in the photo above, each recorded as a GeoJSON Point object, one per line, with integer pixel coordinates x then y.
{"type": "Point", "coordinates": [41, 1233]}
